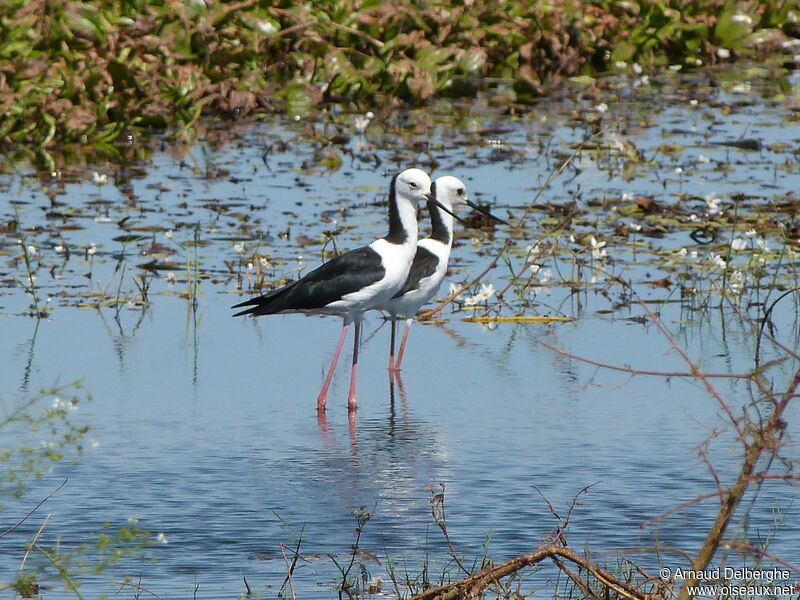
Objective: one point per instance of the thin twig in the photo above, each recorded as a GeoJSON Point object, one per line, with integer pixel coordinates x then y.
{"type": "Point", "coordinates": [35, 508]}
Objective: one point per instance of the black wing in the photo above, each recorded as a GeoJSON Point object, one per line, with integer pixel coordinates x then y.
{"type": "Point", "coordinates": [347, 273]}
{"type": "Point", "coordinates": [424, 265]}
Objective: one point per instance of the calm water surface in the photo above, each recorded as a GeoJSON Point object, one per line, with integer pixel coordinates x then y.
{"type": "Point", "coordinates": [206, 426]}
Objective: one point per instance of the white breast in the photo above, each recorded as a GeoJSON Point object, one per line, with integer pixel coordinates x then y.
{"type": "Point", "coordinates": [396, 260]}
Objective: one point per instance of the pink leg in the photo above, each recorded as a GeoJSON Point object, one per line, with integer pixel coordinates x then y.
{"type": "Point", "coordinates": [391, 344]}
{"type": "Point", "coordinates": [351, 397]}
{"type": "Point", "coordinates": [403, 345]}
{"type": "Point", "coordinates": [323, 393]}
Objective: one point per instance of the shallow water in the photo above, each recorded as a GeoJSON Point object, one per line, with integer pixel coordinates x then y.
{"type": "Point", "coordinates": [205, 426]}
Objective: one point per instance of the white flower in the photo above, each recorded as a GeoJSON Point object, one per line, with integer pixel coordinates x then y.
{"type": "Point", "coordinates": [736, 281]}
{"type": "Point", "coordinates": [59, 249]}
{"type": "Point", "coordinates": [92, 249]}
{"type": "Point", "coordinates": [762, 244]}
{"type": "Point", "coordinates": [99, 179]}
{"type": "Point", "coordinates": [263, 262]}
{"type": "Point", "coordinates": [94, 443]}
{"type": "Point", "coordinates": [627, 197]}
{"type": "Point", "coordinates": [362, 122]}
{"type": "Point", "coordinates": [637, 68]}
{"type": "Point", "coordinates": [635, 226]}
{"type": "Point", "coordinates": [453, 288]}
{"type": "Point", "coordinates": [238, 247]}
{"type": "Point", "coordinates": [750, 232]}
{"type": "Point", "coordinates": [738, 244]}
{"type": "Point", "coordinates": [598, 251]}
{"type": "Point", "coordinates": [161, 538]}
{"type": "Point", "coordinates": [675, 67]}
{"type": "Point", "coordinates": [693, 254]}
{"type": "Point", "coordinates": [682, 252]}
{"type": "Point", "coordinates": [534, 269]}
{"type": "Point", "coordinates": [545, 275]}
{"type": "Point", "coordinates": [703, 159]}
{"type": "Point", "coordinates": [742, 88]}
{"type": "Point", "coordinates": [487, 291]}
{"type": "Point", "coordinates": [642, 81]}
{"type": "Point", "coordinates": [744, 19]}
{"type": "Point", "coordinates": [712, 202]}
{"type": "Point", "coordinates": [169, 234]}
{"type": "Point", "coordinates": [678, 170]}
{"type": "Point", "coordinates": [170, 278]}
{"type": "Point", "coordinates": [693, 102]}
{"type": "Point", "coordinates": [694, 218]}
{"type": "Point", "coordinates": [723, 53]}
{"type": "Point", "coordinates": [31, 250]}
{"type": "Point", "coordinates": [718, 261]}
{"type": "Point", "coordinates": [620, 64]}
{"type": "Point", "coordinates": [601, 108]}
{"type": "Point", "coordinates": [471, 301]}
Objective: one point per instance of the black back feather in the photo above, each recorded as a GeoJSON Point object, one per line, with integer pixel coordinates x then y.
{"type": "Point", "coordinates": [347, 273]}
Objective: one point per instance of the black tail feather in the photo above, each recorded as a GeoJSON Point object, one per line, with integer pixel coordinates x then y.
{"type": "Point", "coordinates": [262, 305]}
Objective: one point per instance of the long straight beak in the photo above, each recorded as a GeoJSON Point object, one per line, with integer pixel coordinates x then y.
{"type": "Point", "coordinates": [447, 210]}
{"type": "Point", "coordinates": [484, 211]}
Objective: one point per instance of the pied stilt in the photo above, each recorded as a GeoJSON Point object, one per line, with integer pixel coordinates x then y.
{"type": "Point", "coordinates": [358, 280]}
{"type": "Point", "coordinates": [430, 261]}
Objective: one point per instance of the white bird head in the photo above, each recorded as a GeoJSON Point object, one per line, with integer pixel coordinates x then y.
{"type": "Point", "coordinates": [450, 192]}
{"type": "Point", "coordinates": [413, 185]}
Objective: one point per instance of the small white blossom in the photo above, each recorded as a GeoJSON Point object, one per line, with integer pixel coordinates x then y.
{"type": "Point", "coordinates": [678, 170]}
{"type": "Point", "coordinates": [59, 249]}
{"type": "Point", "coordinates": [487, 291]}
{"type": "Point", "coordinates": [750, 232]}
{"type": "Point", "coordinates": [171, 278]}
{"type": "Point", "coordinates": [99, 179]}
{"type": "Point", "coordinates": [92, 249]}
{"type": "Point", "coordinates": [545, 275]}
{"type": "Point", "coordinates": [627, 197]}
{"type": "Point", "coordinates": [598, 250]}
{"type": "Point", "coordinates": [703, 159]}
{"type": "Point", "coordinates": [362, 122]}
{"type": "Point", "coordinates": [682, 252]}
{"type": "Point", "coordinates": [601, 108]}
{"type": "Point", "coordinates": [238, 247]}
{"type": "Point", "coordinates": [712, 202]}
{"type": "Point", "coordinates": [723, 53]}
{"type": "Point", "coordinates": [761, 243]}
{"type": "Point", "coordinates": [693, 102]}
{"type": "Point", "coordinates": [637, 68]}
{"type": "Point", "coordinates": [620, 64]}
{"type": "Point", "coordinates": [736, 281]}
{"type": "Point", "coordinates": [744, 19]}
{"type": "Point", "coordinates": [675, 67]}
{"type": "Point", "coordinates": [718, 261]}
{"type": "Point", "coordinates": [738, 244]}
{"type": "Point", "coordinates": [161, 538]}
{"type": "Point", "coordinates": [694, 218]}
{"type": "Point", "coordinates": [169, 234]}
{"type": "Point", "coordinates": [31, 250]}
{"type": "Point", "coordinates": [635, 226]}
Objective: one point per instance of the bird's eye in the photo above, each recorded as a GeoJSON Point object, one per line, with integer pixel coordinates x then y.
{"type": "Point", "coordinates": [460, 191]}
{"type": "Point", "coordinates": [412, 184]}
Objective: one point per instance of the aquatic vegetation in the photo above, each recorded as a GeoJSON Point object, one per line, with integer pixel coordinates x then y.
{"type": "Point", "coordinates": [96, 72]}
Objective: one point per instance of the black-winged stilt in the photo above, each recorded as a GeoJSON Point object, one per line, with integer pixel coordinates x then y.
{"type": "Point", "coordinates": [430, 261]}
{"type": "Point", "coordinates": [358, 280]}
